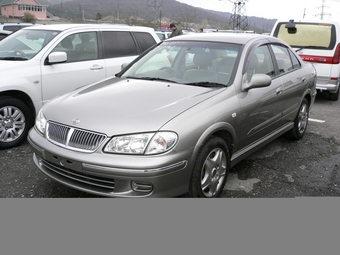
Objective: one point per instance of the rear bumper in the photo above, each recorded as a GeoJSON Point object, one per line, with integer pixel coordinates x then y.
{"type": "Point", "coordinates": [326, 84]}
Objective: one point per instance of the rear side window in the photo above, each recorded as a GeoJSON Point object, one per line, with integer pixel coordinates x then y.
{"type": "Point", "coordinates": [308, 35]}
{"type": "Point", "coordinates": [119, 44]}
{"type": "Point", "coordinates": [12, 28]}
{"type": "Point", "coordinates": [296, 62]}
{"type": "Point", "coordinates": [145, 40]}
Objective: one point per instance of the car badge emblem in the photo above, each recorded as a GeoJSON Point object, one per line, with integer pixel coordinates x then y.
{"type": "Point", "coordinates": [75, 121]}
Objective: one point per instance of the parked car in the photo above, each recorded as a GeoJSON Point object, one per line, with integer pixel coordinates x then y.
{"type": "Point", "coordinates": [14, 26]}
{"type": "Point", "coordinates": [165, 127]}
{"type": "Point", "coordinates": [317, 42]}
{"type": "Point", "coordinates": [40, 62]}
{"type": "Point", "coordinates": [163, 35]}
{"type": "Point", "coordinates": [4, 33]}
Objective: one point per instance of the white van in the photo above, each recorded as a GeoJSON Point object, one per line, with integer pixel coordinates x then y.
{"type": "Point", "coordinates": [38, 63]}
{"type": "Point", "coordinates": [317, 42]}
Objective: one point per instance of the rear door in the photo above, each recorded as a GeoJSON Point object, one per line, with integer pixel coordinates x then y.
{"type": "Point", "coordinates": [118, 47]}
{"type": "Point", "coordinates": [293, 79]}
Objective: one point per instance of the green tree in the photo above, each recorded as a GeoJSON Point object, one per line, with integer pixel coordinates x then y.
{"type": "Point", "coordinates": [29, 18]}
{"type": "Point", "coordinates": [99, 16]}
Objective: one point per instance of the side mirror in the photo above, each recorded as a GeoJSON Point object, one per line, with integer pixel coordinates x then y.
{"type": "Point", "coordinates": [124, 65]}
{"type": "Point", "coordinates": [291, 27]}
{"type": "Point", "coordinates": [57, 57]}
{"type": "Point", "coordinates": [258, 80]}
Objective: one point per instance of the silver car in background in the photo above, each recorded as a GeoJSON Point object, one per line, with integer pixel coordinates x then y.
{"type": "Point", "coordinates": [175, 120]}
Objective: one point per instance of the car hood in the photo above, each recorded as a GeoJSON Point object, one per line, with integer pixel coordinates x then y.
{"type": "Point", "coordinates": [118, 106]}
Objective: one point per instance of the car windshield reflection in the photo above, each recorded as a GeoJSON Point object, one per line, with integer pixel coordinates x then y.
{"type": "Point", "coordinates": [25, 44]}
{"type": "Point", "coordinates": [191, 63]}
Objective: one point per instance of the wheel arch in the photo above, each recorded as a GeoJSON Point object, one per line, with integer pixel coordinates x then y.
{"type": "Point", "coordinates": [22, 97]}
{"type": "Point", "coordinates": [223, 130]}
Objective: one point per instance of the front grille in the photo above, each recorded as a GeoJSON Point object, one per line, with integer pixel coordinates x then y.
{"type": "Point", "coordinates": [95, 183]}
{"type": "Point", "coordinates": [74, 138]}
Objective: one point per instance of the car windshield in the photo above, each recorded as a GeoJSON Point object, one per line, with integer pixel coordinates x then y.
{"type": "Point", "coordinates": [25, 44]}
{"type": "Point", "coordinates": [187, 62]}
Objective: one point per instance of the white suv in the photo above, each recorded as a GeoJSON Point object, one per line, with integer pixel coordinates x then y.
{"type": "Point", "coordinates": [41, 62]}
{"type": "Point", "coordinates": [317, 42]}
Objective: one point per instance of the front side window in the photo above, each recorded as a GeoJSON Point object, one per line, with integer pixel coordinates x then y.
{"type": "Point", "coordinates": [260, 62]}
{"type": "Point", "coordinates": [79, 47]}
{"type": "Point", "coordinates": [119, 44]}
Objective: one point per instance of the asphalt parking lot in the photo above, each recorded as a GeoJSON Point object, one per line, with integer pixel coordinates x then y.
{"type": "Point", "coordinates": [284, 168]}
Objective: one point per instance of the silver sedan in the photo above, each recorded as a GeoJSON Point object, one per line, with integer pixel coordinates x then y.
{"type": "Point", "coordinates": [175, 120]}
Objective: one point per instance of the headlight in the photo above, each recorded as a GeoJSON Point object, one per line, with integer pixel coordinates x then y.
{"type": "Point", "coordinates": [148, 143]}
{"type": "Point", "coordinates": [40, 122]}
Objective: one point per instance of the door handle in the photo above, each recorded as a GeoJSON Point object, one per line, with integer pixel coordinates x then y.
{"type": "Point", "coordinates": [96, 67]}
{"type": "Point", "coordinates": [279, 91]}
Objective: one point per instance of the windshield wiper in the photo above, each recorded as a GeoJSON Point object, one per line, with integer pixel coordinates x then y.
{"type": "Point", "coordinates": [13, 58]}
{"type": "Point", "coordinates": [206, 84]}
{"type": "Point", "coordinates": [310, 47]}
{"type": "Point", "coordinates": [150, 79]}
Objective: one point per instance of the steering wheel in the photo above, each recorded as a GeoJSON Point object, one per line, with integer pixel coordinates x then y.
{"type": "Point", "coordinates": [171, 69]}
{"type": "Point", "coordinates": [21, 52]}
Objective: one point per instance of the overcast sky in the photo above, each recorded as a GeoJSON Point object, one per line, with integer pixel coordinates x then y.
{"type": "Point", "coordinates": [276, 9]}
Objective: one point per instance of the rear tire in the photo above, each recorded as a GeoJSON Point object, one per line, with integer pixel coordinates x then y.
{"type": "Point", "coordinates": [211, 169]}
{"type": "Point", "coordinates": [334, 96]}
{"type": "Point", "coordinates": [15, 122]}
{"type": "Point", "coordinates": [301, 121]}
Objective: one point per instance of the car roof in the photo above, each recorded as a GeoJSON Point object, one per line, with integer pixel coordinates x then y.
{"type": "Point", "coordinates": [240, 38]}
{"type": "Point", "coordinates": [64, 27]}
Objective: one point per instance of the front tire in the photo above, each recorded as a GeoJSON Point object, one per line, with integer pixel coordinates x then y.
{"type": "Point", "coordinates": [211, 169]}
{"type": "Point", "coordinates": [301, 121]}
{"type": "Point", "coordinates": [15, 122]}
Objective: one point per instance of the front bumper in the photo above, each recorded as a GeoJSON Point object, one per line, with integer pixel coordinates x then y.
{"type": "Point", "coordinates": [129, 176]}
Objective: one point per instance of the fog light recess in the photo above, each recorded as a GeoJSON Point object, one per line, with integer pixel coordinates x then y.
{"type": "Point", "coordinates": [141, 187]}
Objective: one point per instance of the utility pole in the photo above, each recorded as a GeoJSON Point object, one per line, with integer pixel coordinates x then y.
{"type": "Point", "coordinates": [238, 19]}
{"type": "Point", "coordinates": [304, 13]}
{"type": "Point", "coordinates": [322, 14]}
{"type": "Point", "coordinates": [153, 6]}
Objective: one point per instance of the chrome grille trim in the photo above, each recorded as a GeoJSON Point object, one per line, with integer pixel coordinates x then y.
{"type": "Point", "coordinates": [74, 138]}
{"type": "Point", "coordinates": [93, 181]}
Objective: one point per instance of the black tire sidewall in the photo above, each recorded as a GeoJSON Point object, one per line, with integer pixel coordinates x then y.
{"type": "Point", "coordinates": [295, 131]}
{"type": "Point", "coordinates": [11, 101]}
{"type": "Point", "coordinates": [195, 182]}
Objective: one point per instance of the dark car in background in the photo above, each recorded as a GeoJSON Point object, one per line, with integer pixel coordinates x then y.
{"type": "Point", "coordinates": [176, 119]}
{"type": "Point", "coordinates": [4, 33]}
